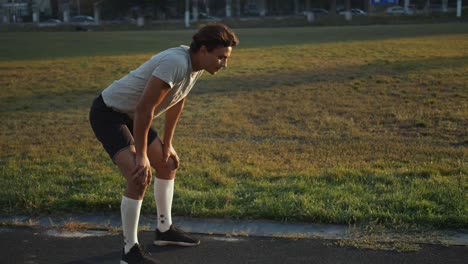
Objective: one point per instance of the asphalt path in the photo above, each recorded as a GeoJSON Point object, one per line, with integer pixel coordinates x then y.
{"type": "Point", "coordinates": [37, 245]}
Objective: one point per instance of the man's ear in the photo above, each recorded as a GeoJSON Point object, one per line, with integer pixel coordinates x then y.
{"type": "Point", "coordinates": [203, 49]}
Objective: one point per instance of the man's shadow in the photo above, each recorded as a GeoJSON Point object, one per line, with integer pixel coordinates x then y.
{"type": "Point", "coordinates": [115, 256]}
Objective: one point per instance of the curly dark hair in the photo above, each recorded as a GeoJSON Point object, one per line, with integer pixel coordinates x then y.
{"type": "Point", "coordinates": [213, 35]}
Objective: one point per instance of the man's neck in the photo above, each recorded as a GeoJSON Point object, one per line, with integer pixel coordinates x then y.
{"type": "Point", "coordinates": [195, 61]}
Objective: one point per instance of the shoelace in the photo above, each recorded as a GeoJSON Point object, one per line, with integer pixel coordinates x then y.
{"type": "Point", "coordinates": [178, 230]}
{"type": "Point", "coordinates": [143, 250]}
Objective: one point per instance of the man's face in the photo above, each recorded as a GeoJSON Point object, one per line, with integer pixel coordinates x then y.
{"type": "Point", "coordinates": [216, 59]}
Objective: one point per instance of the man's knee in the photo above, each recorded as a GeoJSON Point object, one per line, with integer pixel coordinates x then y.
{"type": "Point", "coordinates": [140, 188]}
{"type": "Point", "coordinates": [125, 160]}
{"type": "Point", "coordinates": [166, 170]}
{"type": "Point", "coordinates": [172, 164]}
{"type": "Point", "coordinates": [136, 190]}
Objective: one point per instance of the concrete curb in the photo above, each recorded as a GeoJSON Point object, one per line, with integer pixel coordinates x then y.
{"type": "Point", "coordinates": [261, 228]}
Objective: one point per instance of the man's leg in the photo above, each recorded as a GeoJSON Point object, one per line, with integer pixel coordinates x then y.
{"type": "Point", "coordinates": [113, 130]}
{"type": "Point", "coordinates": [130, 210]}
{"type": "Point", "coordinates": [132, 198]}
{"type": "Point", "coordinates": [166, 233]}
{"type": "Point", "coordinates": [163, 184]}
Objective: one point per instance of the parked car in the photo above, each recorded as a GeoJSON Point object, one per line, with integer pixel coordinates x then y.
{"type": "Point", "coordinates": [82, 20]}
{"type": "Point", "coordinates": [399, 10]}
{"type": "Point", "coordinates": [251, 9]}
{"type": "Point", "coordinates": [354, 11]}
{"type": "Point", "coordinates": [50, 22]}
{"type": "Point", "coordinates": [319, 11]}
{"type": "Point", "coordinates": [53, 21]}
{"type": "Point", "coordinates": [358, 12]}
{"type": "Point", "coordinates": [123, 20]}
{"type": "Point", "coordinates": [206, 17]}
{"type": "Point", "coordinates": [435, 8]}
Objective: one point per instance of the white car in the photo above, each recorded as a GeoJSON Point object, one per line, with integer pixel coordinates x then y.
{"type": "Point", "coordinates": [358, 12]}
{"type": "Point", "coordinates": [354, 12]}
{"type": "Point", "coordinates": [206, 17]}
{"type": "Point", "coordinates": [319, 11]}
{"type": "Point", "coordinates": [51, 23]}
{"type": "Point", "coordinates": [82, 20]}
{"type": "Point", "coordinates": [399, 10]}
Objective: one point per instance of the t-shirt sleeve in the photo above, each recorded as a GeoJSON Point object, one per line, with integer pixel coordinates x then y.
{"type": "Point", "coordinates": [171, 70]}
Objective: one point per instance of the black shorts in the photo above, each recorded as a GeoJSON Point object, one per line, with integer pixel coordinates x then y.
{"type": "Point", "coordinates": [113, 129]}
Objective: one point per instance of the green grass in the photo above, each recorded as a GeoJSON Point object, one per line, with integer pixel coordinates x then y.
{"type": "Point", "coordinates": [327, 125]}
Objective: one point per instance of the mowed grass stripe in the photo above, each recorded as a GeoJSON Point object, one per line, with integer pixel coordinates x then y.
{"type": "Point", "coordinates": [345, 132]}
{"type": "Point", "coordinates": [17, 45]}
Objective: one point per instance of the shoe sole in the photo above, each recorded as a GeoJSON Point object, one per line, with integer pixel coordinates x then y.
{"type": "Point", "coordinates": [172, 243]}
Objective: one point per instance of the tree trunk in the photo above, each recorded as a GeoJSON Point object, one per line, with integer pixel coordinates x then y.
{"type": "Point", "coordinates": [195, 10]}
{"type": "Point", "coordinates": [332, 11]}
{"type": "Point", "coordinates": [444, 6]}
{"type": "Point", "coordinates": [262, 7]}
{"type": "Point", "coordinates": [228, 8]}
{"type": "Point", "coordinates": [207, 6]}
{"type": "Point", "coordinates": [78, 5]}
{"type": "Point", "coordinates": [348, 5]}
{"type": "Point", "coordinates": [407, 3]}
{"type": "Point", "coordinates": [97, 12]}
{"type": "Point", "coordinates": [428, 4]}
{"type": "Point", "coordinates": [187, 13]}
{"type": "Point", "coordinates": [66, 12]}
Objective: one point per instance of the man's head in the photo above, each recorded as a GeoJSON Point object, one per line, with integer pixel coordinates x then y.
{"type": "Point", "coordinates": [212, 45]}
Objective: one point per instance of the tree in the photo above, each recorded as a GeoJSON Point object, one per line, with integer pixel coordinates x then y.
{"type": "Point", "coordinates": [332, 11]}
{"type": "Point", "coordinates": [444, 6]}
{"type": "Point", "coordinates": [228, 8]}
{"type": "Point", "coordinates": [296, 6]}
{"type": "Point", "coordinates": [195, 10]}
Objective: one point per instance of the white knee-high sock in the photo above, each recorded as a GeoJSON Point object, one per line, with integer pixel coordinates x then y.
{"type": "Point", "coordinates": [130, 212]}
{"type": "Point", "coordinates": [163, 193]}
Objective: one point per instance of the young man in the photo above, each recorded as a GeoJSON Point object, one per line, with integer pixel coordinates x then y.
{"type": "Point", "coordinates": [121, 119]}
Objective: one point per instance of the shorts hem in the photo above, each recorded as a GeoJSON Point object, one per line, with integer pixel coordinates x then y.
{"type": "Point", "coordinates": [120, 150]}
{"type": "Point", "coordinates": [124, 148]}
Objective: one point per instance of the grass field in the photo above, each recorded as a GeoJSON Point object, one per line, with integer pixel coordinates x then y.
{"type": "Point", "coordinates": [326, 125]}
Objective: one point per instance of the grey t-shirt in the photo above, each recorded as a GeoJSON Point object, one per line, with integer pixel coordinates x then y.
{"type": "Point", "coordinates": [172, 66]}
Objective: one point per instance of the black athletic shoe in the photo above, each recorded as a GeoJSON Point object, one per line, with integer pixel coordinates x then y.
{"type": "Point", "coordinates": [137, 255]}
{"type": "Point", "coordinates": [174, 237]}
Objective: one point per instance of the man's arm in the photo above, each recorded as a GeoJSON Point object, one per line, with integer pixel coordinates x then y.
{"type": "Point", "coordinates": [154, 93]}
{"type": "Point", "coordinates": [172, 117]}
